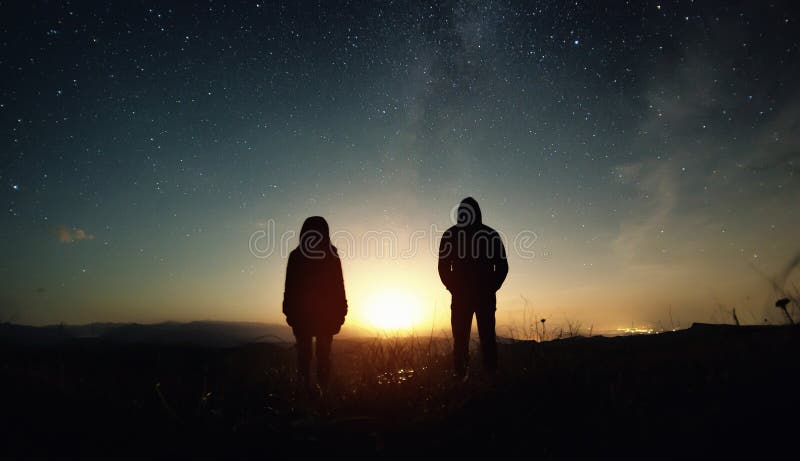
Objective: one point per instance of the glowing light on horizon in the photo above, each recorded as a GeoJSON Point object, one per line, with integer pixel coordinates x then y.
{"type": "Point", "coordinates": [393, 310]}
{"type": "Point", "coordinates": [637, 331]}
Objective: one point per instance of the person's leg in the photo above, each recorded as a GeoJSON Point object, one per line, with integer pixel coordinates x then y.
{"type": "Point", "coordinates": [324, 359]}
{"type": "Point", "coordinates": [461, 323]}
{"type": "Point", "coordinates": [486, 333]}
{"type": "Point", "coordinates": [303, 356]}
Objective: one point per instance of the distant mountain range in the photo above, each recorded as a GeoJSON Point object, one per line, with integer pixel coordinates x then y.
{"type": "Point", "coordinates": [200, 333]}
{"type": "Point", "coordinates": [209, 333]}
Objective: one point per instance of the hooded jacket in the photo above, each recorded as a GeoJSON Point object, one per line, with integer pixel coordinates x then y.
{"type": "Point", "coordinates": [472, 258]}
{"type": "Point", "coordinates": [314, 300]}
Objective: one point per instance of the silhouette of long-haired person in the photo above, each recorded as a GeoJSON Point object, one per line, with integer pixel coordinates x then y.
{"type": "Point", "coordinates": [314, 300]}
{"type": "Point", "coordinates": [472, 266]}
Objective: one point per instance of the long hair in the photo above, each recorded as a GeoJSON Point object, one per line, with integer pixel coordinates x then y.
{"type": "Point", "coordinates": [315, 239]}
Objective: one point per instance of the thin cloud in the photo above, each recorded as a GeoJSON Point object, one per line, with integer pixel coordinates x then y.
{"type": "Point", "coordinates": [65, 235]}
{"type": "Point", "coordinates": [660, 185]}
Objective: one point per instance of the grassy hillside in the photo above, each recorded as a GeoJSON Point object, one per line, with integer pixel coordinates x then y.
{"type": "Point", "coordinates": [724, 390]}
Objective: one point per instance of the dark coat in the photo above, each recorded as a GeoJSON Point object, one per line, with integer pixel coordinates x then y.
{"type": "Point", "coordinates": [314, 299]}
{"type": "Point", "coordinates": [472, 258]}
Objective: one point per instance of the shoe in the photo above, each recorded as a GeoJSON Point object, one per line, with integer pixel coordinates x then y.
{"type": "Point", "coordinates": [461, 377]}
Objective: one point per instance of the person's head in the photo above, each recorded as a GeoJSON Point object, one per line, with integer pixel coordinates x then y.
{"type": "Point", "coordinates": [469, 213]}
{"type": "Point", "coordinates": [314, 234]}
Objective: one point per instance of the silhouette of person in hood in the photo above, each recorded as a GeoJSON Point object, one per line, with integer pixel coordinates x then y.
{"type": "Point", "coordinates": [314, 300]}
{"type": "Point", "coordinates": [472, 266]}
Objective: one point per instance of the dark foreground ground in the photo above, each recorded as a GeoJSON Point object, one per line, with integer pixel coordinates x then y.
{"type": "Point", "coordinates": [704, 392]}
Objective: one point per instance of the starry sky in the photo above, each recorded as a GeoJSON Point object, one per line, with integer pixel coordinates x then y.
{"type": "Point", "coordinates": [649, 151]}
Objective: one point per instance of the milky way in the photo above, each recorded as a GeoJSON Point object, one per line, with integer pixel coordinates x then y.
{"type": "Point", "coordinates": [651, 148]}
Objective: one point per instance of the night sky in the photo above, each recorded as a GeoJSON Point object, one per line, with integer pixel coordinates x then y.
{"type": "Point", "coordinates": [652, 149]}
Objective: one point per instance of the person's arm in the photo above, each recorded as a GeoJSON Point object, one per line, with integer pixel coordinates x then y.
{"type": "Point", "coordinates": [500, 262]}
{"type": "Point", "coordinates": [289, 289]}
{"type": "Point", "coordinates": [446, 253]}
{"type": "Point", "coordinates": [340, 295]}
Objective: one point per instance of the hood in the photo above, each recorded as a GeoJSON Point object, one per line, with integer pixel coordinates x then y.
{"type": "Point", "coordinates": [469, 213]}
{"type": "Point", "coordinates": [314, 232]}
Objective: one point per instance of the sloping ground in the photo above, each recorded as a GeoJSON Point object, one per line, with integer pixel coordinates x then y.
{"type": "Point", "coordinates": [708, 391]}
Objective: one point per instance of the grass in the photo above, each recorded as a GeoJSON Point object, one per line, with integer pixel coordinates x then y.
{"type": "Point", "coordinates": [391, 393]}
